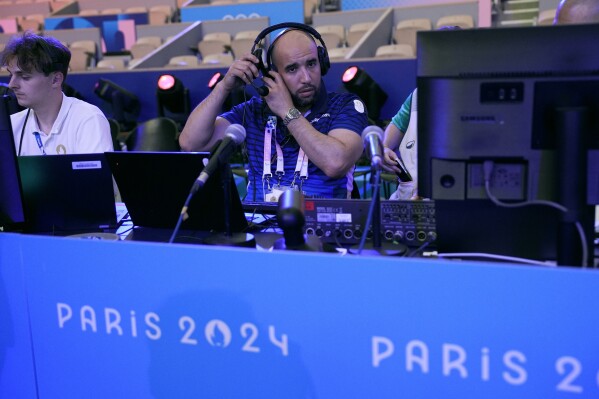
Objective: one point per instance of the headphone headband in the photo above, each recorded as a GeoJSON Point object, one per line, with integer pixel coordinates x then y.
{"type": "Point", "coordinates": [323, 56]}
{"type": "Point", "coordinates": [283, 25]}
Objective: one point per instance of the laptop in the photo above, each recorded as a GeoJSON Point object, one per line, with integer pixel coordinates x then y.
{"type": "Point", "coordinates": [155, 185]}
{"type": "Point", "coordinates": [12, 213]}
{"type": "Point", "coordinates": [67, 193]}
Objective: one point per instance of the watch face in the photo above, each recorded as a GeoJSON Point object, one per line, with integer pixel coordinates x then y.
{"type": "Point", "coordinates": [292, 114]}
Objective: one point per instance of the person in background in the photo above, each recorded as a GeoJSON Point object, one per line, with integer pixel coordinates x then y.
{"type": "Point", "coordinates": [401, 146]}
{"type": "Point", "coordinates": [577, 12]}
{"type": "Point", "coordinates": [401, 134]}
{"type": "Point", "coordinates": [51, 122]}
{"type": "Point", "coordinates": [311, 137]}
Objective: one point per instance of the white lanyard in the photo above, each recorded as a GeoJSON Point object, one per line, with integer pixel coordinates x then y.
{"type": "Point", "coordinates": [301, 165]}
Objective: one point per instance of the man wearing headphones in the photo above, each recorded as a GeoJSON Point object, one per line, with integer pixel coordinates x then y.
{"type": "Point", "coordinates": [298, 135]}
{"type": "Point", "coordinates": [52, 123]}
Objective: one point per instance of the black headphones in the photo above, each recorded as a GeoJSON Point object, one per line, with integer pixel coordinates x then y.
{"type": "Point", "coordinates": [323, 55]}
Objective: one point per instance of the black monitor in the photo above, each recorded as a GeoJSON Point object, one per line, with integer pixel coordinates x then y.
{"type": "Point", "coordinates": [12, 215]}
{"type": "Point", "coordinates": [527, 100]}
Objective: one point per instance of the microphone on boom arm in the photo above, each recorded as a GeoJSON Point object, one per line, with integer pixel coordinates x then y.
{"type": "Point", "coordinates": [234, 136]}
{"type": "Point", "coordinates": [372, 136]}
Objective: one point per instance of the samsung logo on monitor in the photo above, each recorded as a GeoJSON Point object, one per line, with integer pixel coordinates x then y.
{"type": "Point", "coordinates": [479, 119]}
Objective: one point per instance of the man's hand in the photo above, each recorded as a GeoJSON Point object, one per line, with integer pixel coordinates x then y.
{"type": "Point", "coordinates": [278, 99]}
{"type": "Point", "coordinates": [390, 161]}
{"type": "Point", "coordinates": [242, 71]}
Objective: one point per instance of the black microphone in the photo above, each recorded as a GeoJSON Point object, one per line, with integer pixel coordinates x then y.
{"type": "Point", "coordinates": [372, 136]}
{"type": "Point", "coordinates": [290, 216]}
{"type": "Point", "coordinates": [234, 135]}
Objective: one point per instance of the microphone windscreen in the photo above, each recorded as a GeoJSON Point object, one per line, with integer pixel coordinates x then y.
{"type": "Point", "coordinates": [370, 130]}
{"type": "Point", "coordinates": [290, 217]}
{"type": "Point", "coordinates": [236, 132]}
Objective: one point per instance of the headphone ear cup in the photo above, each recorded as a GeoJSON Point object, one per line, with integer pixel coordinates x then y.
{"type": "Point", "coordinates": [323, 59]}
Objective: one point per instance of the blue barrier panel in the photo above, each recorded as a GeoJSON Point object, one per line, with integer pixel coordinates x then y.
{"type": "Point", "coordinates": [17, 375]}
{"type": "Point", "coordinates": [276, 11]}
{"type": "Point", "coordinates": [124, 319]}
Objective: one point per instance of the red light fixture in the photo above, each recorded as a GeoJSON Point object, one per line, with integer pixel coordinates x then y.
{"type": "Point", "coordinates": [166, 82]}
{"type": "Point", "coordinates": [357, 81]}
{"type": "Point", "coordinates": [349, 74]}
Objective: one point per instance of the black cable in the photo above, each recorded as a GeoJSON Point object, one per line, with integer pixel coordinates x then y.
{"type": "Point", "coordinates": [183, 215]}
{"type": "Point", "coordinates": [23, 130]}
{"type": "Point", "coordinates": [376, 182]}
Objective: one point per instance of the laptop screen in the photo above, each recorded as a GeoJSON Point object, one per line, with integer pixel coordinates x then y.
{"type": "Point", "coordinates": [67, 193]}
{"type": "Point", "coordinates": [155, 185]}
{"type": "Point", "coordinates": [12, 215]}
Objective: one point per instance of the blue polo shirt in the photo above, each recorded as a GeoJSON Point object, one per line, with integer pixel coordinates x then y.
{"type": "Point", "coordinates": [330, 111]}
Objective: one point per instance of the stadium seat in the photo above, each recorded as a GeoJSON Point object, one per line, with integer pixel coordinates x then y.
{"type": "Point", "coordinates": [332, 35]}
{"type": "Point", "coordinates": [356, 31]}
{"type": "Point", "coordinates": [160, 14]}
{"type": "Point", "coordinates": [111, 63]}
{"type": "Point", "coordinates": [89, 11]}
{"type": "Point", "coordinates": [33, 22]}
{"type": "Point", "coordinates": [463, 21]}
{"type": "Point", "coordinates": [183, 61]}
{"type": "Point", "coordinates": [154, 40]}
{"type": "Point", "coordinates": [405, 31]}
{"type": "Point", "coordinates": [140, 50]}
{"type": "Point", "coordinates": [338, 52]}
{"type": "Point", "coordinates": [115, 10]}
{"type": "Point", "coordinates": [136, 9]}
{"type": "Point", "coordinates": [83, 55]}
{"type": "Point", "coordinates": [88, 45]}
{"type": "Point", "coordinates": [225, 59]}
{"type": "Point", "coordinates": [57, 5]}
{"type": "Point", "coordinates": [213, 43]}
{"type": "Point", "coordinates": [395, 51]}
{"type": "Point", "coordinates": [243, 41]}
{"type": "Point", "coordinates": [310, 7]}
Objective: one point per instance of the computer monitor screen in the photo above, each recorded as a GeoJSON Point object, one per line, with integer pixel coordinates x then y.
{"type": "Point", "coordinates": [12, 215]}
{"type": "Point", "coordinates": [525, 99]}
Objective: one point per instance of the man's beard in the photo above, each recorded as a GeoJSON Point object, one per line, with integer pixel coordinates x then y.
{"type": "Point", "coordinates": [300, 102]}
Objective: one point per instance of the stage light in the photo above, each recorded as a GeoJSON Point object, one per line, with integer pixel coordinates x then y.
{"type": "Point", "coordinates": [173, 99]}
{"type": "Point", "coordinates": [125, 105]}
{"type": "Point", "coordinates": [357, 81]}
{"type": "Point", "coordinates": [237, 96]}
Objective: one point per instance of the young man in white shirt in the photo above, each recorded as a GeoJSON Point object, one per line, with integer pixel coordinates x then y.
{"type": "Point", "coordinates": [51, 123]}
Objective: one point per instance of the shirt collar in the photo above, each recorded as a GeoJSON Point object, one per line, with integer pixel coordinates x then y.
{"type": "Point", "coordinates": [320, 103]}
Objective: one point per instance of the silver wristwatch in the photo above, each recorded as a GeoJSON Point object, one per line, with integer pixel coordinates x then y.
{"type": "Point", "coordinates": [292, 114]}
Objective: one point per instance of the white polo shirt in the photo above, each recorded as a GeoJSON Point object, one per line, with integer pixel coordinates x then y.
{"type": "Point", "coordinates": [79, 128]}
